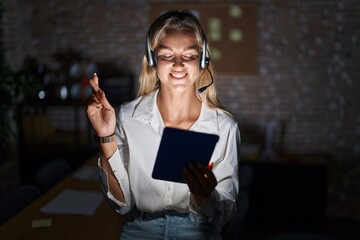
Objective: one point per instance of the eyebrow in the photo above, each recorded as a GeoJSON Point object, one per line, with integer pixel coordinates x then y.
{"type": "Point", "coordinates": [169, 48]}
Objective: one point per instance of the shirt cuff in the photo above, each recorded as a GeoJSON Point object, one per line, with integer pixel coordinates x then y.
{"type": "Point", "coordinates": [206, 209]}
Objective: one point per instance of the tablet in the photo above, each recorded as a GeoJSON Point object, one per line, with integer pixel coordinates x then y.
{"type": "Point", "coordinates": [180, 147]}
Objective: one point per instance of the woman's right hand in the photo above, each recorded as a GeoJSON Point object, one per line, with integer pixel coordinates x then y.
{"type": "Point", "coordinates": [99, 111]}
{"type": "Point", "coordinates": [102, 118]}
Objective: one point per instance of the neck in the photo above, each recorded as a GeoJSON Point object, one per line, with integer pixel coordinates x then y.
{"type": "Point", "coordinates": [178, 110]}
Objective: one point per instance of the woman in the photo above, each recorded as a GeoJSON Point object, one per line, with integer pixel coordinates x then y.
{"type": "Point", "coordinates": [176, 90]}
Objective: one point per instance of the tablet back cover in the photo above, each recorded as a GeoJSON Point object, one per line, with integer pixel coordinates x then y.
{"type": "Point", "coordinates": [178, 148]}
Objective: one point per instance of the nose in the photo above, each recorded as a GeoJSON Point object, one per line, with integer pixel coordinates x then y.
{"type": "Point", "coordinates": [178, 62]}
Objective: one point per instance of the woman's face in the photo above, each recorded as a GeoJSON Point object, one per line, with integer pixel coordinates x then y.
{"type": "Point", "coordinates": [178, 61]}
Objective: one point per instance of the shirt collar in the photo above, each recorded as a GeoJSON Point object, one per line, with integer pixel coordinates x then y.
{"type": "Point", "coordinates": [147, 111]}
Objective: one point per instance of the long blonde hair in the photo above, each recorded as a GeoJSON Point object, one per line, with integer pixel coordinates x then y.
{"type": "Point", "coordinates": [182, 21]}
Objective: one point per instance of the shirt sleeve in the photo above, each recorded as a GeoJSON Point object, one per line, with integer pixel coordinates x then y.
{"type": "Point", "coordinates": [118, 163]}
{"type": "Point", "coordinates": [123, 180]}
{"type": "Point", "coordinates": [220, 206]}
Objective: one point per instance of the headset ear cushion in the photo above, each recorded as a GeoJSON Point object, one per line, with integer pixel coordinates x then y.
{"type": "Point", "coordinates": [153, 59]}
{"type": "Point", "coordinates": [150, 55]}
{"type": "Point", "coordinates": [203, 60]}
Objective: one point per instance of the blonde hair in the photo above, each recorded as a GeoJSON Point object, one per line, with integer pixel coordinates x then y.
{"type": "Point", "coordinates": [182, 21]}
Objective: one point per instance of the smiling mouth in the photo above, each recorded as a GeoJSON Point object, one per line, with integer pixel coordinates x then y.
{"type": "Point", "coordinates": [178, 75]}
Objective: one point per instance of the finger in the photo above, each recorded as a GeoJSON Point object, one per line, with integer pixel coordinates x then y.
{"type": "Point", "coordinates": [94, 82]}
{"type": "Point", "coordinates": [94, 114]}
{"type": "Point", "coordinates": [191, 180]}
{"type": "Point", "coordinates": [104, 101]}
{"type": "Point", "coordinates": [92, 101]}
{"type": "Point", "coordinates": [92, 98]}
{"type": "Point", "coordinates": [93, 108]}
{"type": "Point", "coordinates": [196, 187]}
{"type": "Point", "coordinates": [204, 176]}
{"type": "Point", "coordinates": [199, 182]}
{"type": "Point", "coordinates": [198, 171]}
{"type": "Point", "coordinates": [210, 165]}
{"type": "Point", "coordinates": [100, 94]}
{"type": "Point", "coordinates": [208, 173]}
{"type": "Point", "coordinates": [188, 175]}
{"type": "Point", "coordinates": [96, 78]}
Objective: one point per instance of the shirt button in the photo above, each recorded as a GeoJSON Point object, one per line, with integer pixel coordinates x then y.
{"type": "Point", "coordinates": [168, 193]}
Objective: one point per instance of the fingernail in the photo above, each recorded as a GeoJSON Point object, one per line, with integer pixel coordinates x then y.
{"type": "Point", "coordinates": [210, 165]}
{"type": "Point", "coordinates": [95, 74]}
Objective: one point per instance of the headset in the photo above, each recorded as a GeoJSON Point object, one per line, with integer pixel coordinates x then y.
{"type": "Point", "coordinates": [150, 55]}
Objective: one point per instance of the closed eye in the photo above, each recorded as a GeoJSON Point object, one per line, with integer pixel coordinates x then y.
{"type": "Point", "coordinates": [166, 57]}
{"type": "Point", "coordinates": [189, 57]}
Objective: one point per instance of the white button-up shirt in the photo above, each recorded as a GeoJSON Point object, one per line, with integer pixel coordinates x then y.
{"type": "Point", "coordinates": [139, 130]}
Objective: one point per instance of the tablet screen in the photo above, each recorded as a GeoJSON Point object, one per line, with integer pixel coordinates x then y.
{"type": "Point", "coordinates": [180, 147]}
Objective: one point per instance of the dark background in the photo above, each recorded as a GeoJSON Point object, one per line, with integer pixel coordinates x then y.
{"type": "Point", "coordinates": [304, 91]}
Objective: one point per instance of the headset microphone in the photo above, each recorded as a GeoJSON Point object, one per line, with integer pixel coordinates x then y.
{"type": "Point", "coordinates": [200, 90]}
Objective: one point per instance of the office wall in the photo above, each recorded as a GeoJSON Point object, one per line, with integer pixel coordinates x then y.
{"type": "Point", "coordinates": [307, 76]}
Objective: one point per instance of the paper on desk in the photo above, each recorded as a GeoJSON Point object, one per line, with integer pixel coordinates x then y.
{"type": "Point", "coordinates": [87, 173]}
{"type": "Point", "coordinates": [74, 202]}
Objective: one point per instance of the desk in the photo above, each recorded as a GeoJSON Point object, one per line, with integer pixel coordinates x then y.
{"type": "Point", "coordinates": [104, 224]}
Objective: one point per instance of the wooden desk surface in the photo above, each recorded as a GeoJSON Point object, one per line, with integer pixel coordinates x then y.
{"type": "Point", "coordinates": [104, 224]}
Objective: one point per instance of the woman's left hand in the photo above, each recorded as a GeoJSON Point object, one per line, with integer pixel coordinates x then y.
{"type": "Point", "coordinates": [201, 180]}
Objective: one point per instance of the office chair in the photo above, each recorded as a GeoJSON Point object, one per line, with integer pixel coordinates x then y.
{"type": "Point", "coordinates": [51, 173]}
{"type": "Point", "coordinates": [17, 199]}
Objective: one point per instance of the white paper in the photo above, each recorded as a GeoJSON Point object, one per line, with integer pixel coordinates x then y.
{"type": "Point", "coordinates": [39, 223]}
{"type": "Point", "coordinates": [74, 202]}
{"type": "Point", "coordinates": [87, 173]}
